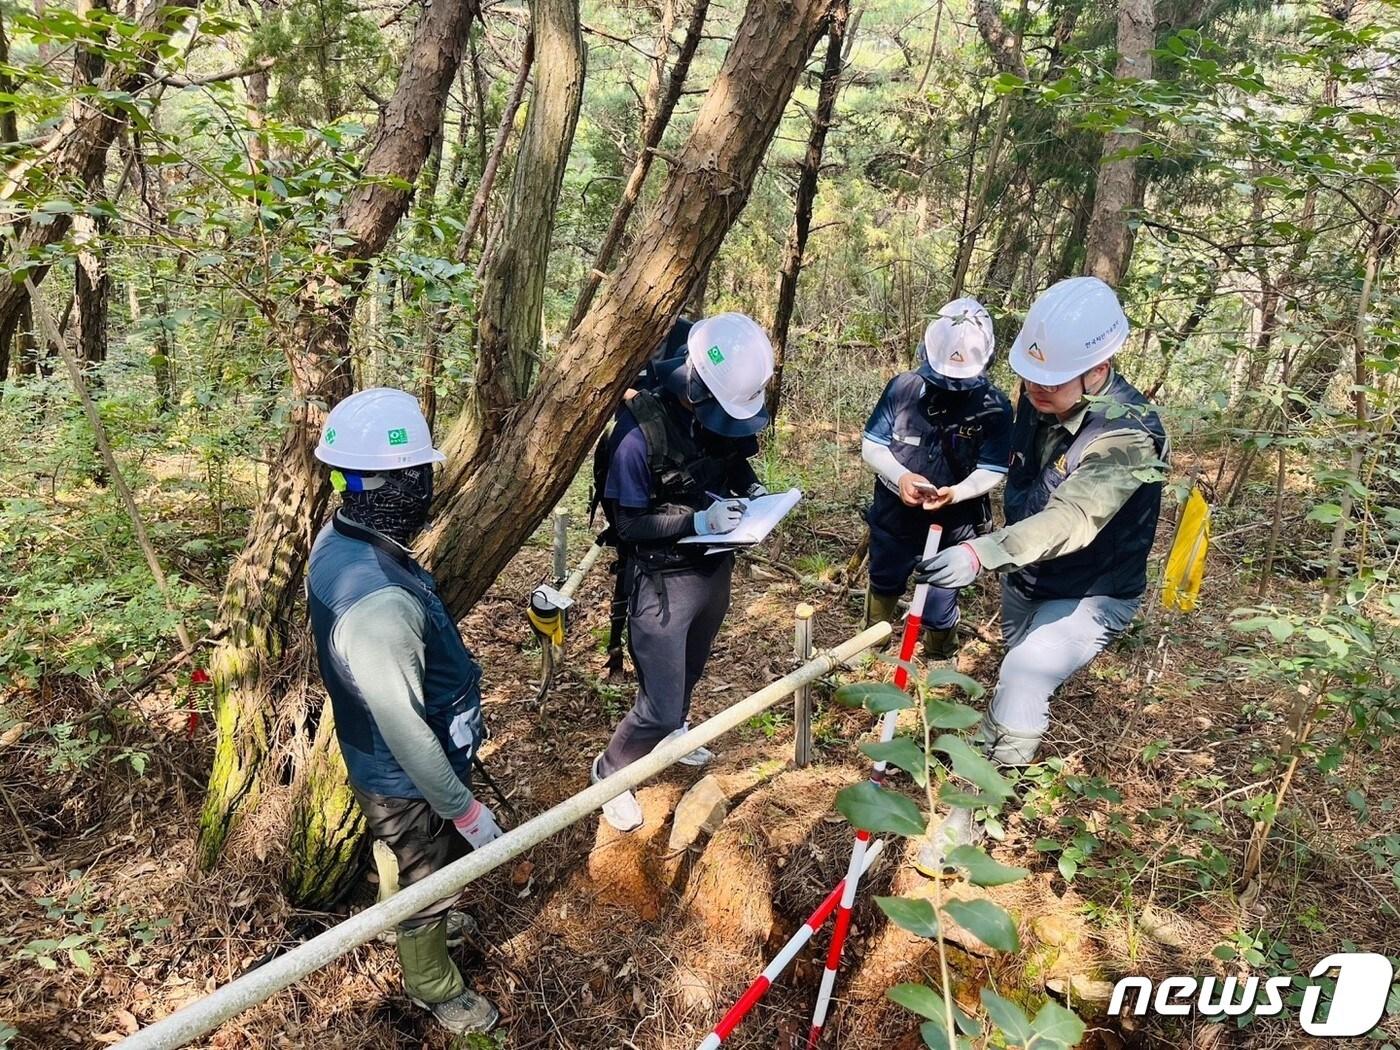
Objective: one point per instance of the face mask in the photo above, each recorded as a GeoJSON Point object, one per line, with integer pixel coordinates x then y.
{"type": "Point", "coordinates": [394, 502]}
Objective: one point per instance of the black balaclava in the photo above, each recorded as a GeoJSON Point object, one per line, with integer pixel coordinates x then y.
{"type": "Point", "coordinates": [393, 502]}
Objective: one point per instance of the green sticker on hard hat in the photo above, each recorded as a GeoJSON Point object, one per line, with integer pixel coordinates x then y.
{"type": "Point", "coordinates": [330, 437]}
{"type": "Point", "coordinates": [716, 355]}
{"type": "Point", "coordinates": [398, 436]}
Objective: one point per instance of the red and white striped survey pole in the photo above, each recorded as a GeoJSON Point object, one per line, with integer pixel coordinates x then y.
{"type": "Point", "coordinates": [913, 623]}
{"type": "Point", "coordinates": [774, 969]}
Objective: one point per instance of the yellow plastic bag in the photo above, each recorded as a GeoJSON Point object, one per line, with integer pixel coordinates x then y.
{"type": "Point", "coordinates": [1186, 561]}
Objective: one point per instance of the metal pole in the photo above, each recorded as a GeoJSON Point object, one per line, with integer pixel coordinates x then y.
{"type": "Point", "coordinates": [252, 988]}
{"type": "Point", "coordinates": [802, 698]}
{"type": "Point", "coordinates": [561, 546]}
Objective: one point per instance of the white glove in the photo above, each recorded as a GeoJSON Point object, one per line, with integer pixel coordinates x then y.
{"type": "Point", "coordinates": [956, 567]}
{"type": "Point", "coordinates": [478, 825]}
{"type": "Point", "coordinates": [721, 516]}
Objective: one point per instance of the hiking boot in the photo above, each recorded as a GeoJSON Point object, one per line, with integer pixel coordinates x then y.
{"type": "Point", "coordinates": [940, 644]}
{"type": "Point", "coordinates": [464, 1014]}
{"type": "Point", "coordinates": [624, 812]}
{"type": "Point", "coordinates": [882, 608]}
{"type": "Point", "coordinates": [460, 926]}
{"type": "Point", "coordinates": [699, 757]}
{"type": "Point", "coordinates": [956, 829]}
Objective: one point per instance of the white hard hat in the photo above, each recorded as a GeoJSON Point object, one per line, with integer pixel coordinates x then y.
{"type": "Point", "coordinates": [377, 429]}
{"type": "Point", "coordinates": [958, 343]}
{"type": "Point", "coordinates": [1072, 326]}
{"type": "Point", "coordinates": [734, 359]}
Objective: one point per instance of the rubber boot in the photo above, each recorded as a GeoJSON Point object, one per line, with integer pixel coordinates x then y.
{"type": "Point", "coordinates": [882, 608]}
{"type": "Point", "coordinates": [940, 644]}
{"type": "Point", "coordinates": [432, 980]}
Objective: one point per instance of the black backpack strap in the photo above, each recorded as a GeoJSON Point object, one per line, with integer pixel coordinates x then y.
{"type": "Point", "coordinates": [666, 447]}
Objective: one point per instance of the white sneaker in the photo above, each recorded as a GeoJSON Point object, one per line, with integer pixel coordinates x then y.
{"type": "Point", "coordinates": [699, 757]}
{"type": "Point", "coordinates": [624, 812]}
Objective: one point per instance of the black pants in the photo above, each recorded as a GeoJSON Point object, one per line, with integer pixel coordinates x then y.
{"type": "Point", "coordinates": [421, 840]}
{"type": "Point", "coordinates": [672, 622]}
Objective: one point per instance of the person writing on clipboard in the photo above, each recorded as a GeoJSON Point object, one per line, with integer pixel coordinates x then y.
{"type": "Point", "coordinates": [678, 466]}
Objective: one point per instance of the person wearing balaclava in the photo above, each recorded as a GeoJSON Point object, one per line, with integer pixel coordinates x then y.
{"type": "Point", "coordinates": [405, 689]}
{"type": "Point", "coordinates": [939, 441]}
{"type": "Point", "coordinates": [677, 465]}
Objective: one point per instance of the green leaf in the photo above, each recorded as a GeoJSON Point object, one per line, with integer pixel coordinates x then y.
{"type": "Point", "coordinates": [939, 676]}
{"type": "Point", "coordinates": [946, 714]}
{"type": "Point", "coordinates": [935, 1037]}
{"type": "Point", "coordinates": [874, 809]}
{"type": "Point", "coordinates": [1054, 1024]}
{"type": "Point", "coordinates": [877, 697]}
{"type": "Point", "coordinates": [951, 795]}
{"type": "Point", "coordinates": [982, 870]}
{"type": "Point", "coordinates": [1327, 513]}
{"type": "Point", "coordinates": [902, 752]}
{"type": "Point", "coordinates": [987, 922]}
{"type": "Point", "coordinates": [972, 766]}
{"type": "Point", "coordinates": [1280, 629]}
{"type": "Point", "coordinates": [919, 998]}
{"type": "Point", "coordinates": [81, 959]}
{"type": "Point", "coordinates": [916, 916]}
{"type": "Point", "coordinates": [923, 1000]}
{"type": "Point", "coordinates": [1008, 1017]}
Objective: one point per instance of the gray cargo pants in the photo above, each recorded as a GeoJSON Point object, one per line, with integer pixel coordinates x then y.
{"type": "Point", "coordinates": [672, 620]}
{"type": "Point", "coordinates": [1047, 641]}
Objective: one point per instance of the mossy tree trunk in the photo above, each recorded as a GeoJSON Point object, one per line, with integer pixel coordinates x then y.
{"type": "Point", "coordinates": [261, 591]}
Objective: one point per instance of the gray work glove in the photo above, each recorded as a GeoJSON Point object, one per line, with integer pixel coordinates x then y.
{"type": "Point", "coordinates": [956, 567]}
{"type": "Point", "coordinates": [478, 825]}
{"type": "Point", "coordinates": [755, 490]}
{"type": "Point", "coordinates": [720, 516]}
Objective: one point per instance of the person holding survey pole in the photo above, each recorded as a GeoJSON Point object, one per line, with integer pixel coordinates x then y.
{"type": "Point", "coordinates": [938, 442]}
{"type": "Point", "coordinates": [1083, 493]}
{"type": "Point", "coordinates": [677, 466]}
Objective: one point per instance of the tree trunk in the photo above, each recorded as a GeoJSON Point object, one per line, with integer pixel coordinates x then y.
{"type": "Point", "coordinates": [1361, 381]}
{"type": "Point", "coordinates": [493, 498]}
{"type": "Point", "coordinates": [327, 826]}
{"type": "Point", "coordinates": [92, 291]}
{"type": "Point", "coordinates": [651, 139]}
{"type": "Point", "coordinates": [491, 166]}
{"type": "Point", "coordinates": [262, 582]}
{"type": "Point", "coordinates": [510, 314]}
{"type": "Point", "coordinates": [75, 152]}
{"type": "Point", "coordinates": [1118, 193]}
{"type": "Point", "coordinates": [806, 196]}
{"type": "Point", "coordinates": [972, 222]}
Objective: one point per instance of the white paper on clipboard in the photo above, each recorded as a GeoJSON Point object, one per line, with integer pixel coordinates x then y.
{"type": "Point", "coordinates": [761, 516]}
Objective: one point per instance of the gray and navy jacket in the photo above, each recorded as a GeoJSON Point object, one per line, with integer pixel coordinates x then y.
{"type": "Point", "coordinates": [433, 694]}
{"type": "Point", "coordinates": [1114, 563]}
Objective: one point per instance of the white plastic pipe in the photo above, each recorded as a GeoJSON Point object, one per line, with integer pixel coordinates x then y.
{"type": "Point", "coordinates": [252, 988]}
{"type": "Point", "coordinates": [576, 577]}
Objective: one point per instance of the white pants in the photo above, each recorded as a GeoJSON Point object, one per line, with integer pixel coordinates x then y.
{"type": "Point", "coordinates": [1047, 641]}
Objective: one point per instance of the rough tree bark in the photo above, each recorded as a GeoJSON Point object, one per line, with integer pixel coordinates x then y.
{"type": "Point", "coordinates": [651, 140]}
{"type": "Point", "coordinates": [806, 197]}
{"type": "Point", "coordinates": [1118, 191]}
{"type": "Point", "coordinates": [510, 334]}
{"type": "Point", "coordinates": [75, 152]}
{"type": "Point", "coordinates": [496, 496]}
{"type": "Point", "coordinates": [262, 583]}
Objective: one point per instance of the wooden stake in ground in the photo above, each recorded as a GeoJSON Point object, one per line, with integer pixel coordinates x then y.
{"type": "Point", "coordinates": [56, 337]}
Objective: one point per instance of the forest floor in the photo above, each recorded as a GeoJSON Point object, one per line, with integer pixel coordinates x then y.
{"type": "Point", "coordinates": [592, 943]}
